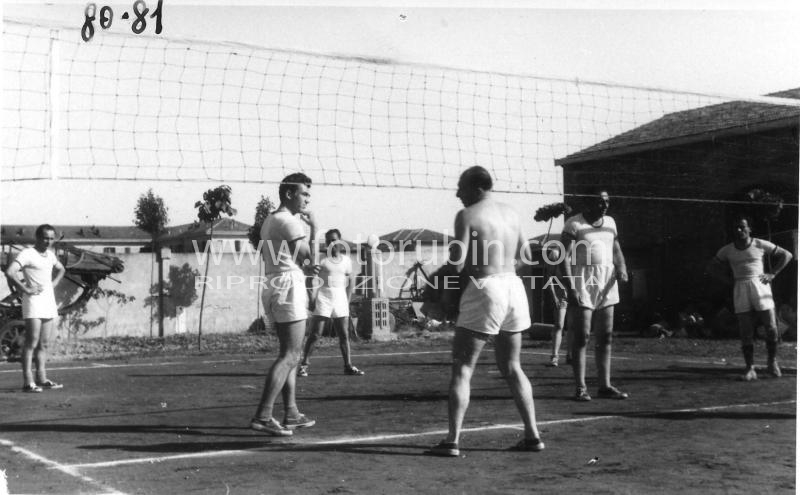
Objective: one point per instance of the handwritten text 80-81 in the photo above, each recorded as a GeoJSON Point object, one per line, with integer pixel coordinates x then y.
{"type": "Point", "coordinates": [138, 25]}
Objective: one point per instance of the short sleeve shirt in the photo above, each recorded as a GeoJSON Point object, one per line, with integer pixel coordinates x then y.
{"type": "Point", "coordinates": [277, 231]}
{"type": "Point", "coordinates": [594, 245]}
{"type": "Point", "coordinates": [748, 262]}
{"type": "Point", "coordinates": [334, 272]}
{"type": "Point", "coordinates": [37, 268]}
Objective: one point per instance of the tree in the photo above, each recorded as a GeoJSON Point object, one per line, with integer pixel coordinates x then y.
{"type": "Point", "coordinates": [550, 212]}
{"type": "Point", "coordinates": [215, 202]}
{"type": "Point", "coordinates": [264, 207]}
{"type": "Point", "coordinates": [151, 216]}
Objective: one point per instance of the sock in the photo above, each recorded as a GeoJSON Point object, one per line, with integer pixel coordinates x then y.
{"type": "Point", "coordinates": [772, 351]}
{"type": "Point", "coordinates": [747, 350]}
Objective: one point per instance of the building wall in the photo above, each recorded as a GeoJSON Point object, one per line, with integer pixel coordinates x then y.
{"type": "Point", "coordinates": [668, 243]}
{"type": "Point", "coordinates": [232, 301]}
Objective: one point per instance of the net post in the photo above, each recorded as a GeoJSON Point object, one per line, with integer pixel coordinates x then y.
{"type": "Point", "coordinates": [54, 120]}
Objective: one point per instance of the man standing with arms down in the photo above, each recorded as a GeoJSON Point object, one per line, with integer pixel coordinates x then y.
{"type": "Point", "coordinates": [751, 290]}
{"type": "Point", "coordinates": [489, 243]}
{"type": "Point", "coordinates": [593, 265]}
{"type": "Point", "coordinates": [286, 253]}
{"type": "Point", "coordinates": [39, 308]}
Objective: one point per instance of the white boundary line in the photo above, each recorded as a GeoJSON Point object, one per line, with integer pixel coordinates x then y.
{"type": "Point", "coordinates": [220, 361]}
{"type": "Point", "coordinates": [420, 353]}
{"type": "Point", "coordinates": [377, 438]}
{"type": "Point", "coordinates": [69, 470]}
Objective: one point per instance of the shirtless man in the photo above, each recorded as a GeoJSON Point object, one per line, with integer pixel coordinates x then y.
{"type": "Point", "coordinates": [489, 244]}
{"type": "Point", "coordinates": [286, 253]}
{"type": "Point", "coordinates": [42, 271]}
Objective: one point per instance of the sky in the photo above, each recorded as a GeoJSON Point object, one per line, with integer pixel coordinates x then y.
{"type": "Point", "coordinates": [732, 48]}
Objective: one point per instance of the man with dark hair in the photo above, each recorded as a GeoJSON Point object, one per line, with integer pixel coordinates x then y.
{"type": "Point", "coordinates": [593, 265]}
{"type": "Point", "coordinates": [332, 301]}
{"type": "Point", "coordinates": [39, 310]}
{"type": "Point", "coordinates": [752, 292]}
{"type": "Point", "coordinates": [488, 246]}
{"type": "Point", "coordinates": [287, 253]}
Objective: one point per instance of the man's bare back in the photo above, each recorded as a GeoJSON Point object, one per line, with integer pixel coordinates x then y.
{"type": "Point", "coordinates": [491, 231]}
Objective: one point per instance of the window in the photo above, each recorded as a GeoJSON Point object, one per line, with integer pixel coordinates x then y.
{"type": "Point", "coordinates": [127, 250]}
{"type": "Point", "coordinates": [110, 250]}
{"type": "Point", "coordinates": [237, 245]}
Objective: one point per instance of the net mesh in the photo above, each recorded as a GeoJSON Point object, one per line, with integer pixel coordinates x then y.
{"type": "Point", "coordinates": [129, 107]}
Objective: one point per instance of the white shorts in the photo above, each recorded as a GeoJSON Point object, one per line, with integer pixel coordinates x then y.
{"type": "Point", "coordinates": [752, 295]}
{"type": "Point", "coordinates": [284, 296]}
{"type": "Point", "coordinates": [332, 303]}
{"type": "Point", "coordinates": [42, 306]}
{"type": "Point", "coordinates": [494, 304]}
{"type": "Point", "coordinates": [597, 285]}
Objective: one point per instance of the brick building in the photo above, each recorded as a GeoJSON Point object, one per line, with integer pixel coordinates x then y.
{"type": "Point", "coordinates": [676, 181]}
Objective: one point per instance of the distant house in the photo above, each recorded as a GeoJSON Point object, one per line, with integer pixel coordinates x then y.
{"type": "Point", "coordinates": [408, 239]}
{"type": "Point", "coordinates": [103, 238]}
{"type": "Point", "coordinates": [676, 181]}
{"type": "Point", "coordinates": [228, 235]}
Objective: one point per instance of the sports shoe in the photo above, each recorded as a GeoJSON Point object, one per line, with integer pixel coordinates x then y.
{"type": "Point", "coordinates": [750, 375]}
{"type": "Point", "coordinates": [32, 388]}
{"type": "Point", "coordinates": [270, 427]}
{"type": "Point", "coordinates": [553, 362]}
{"type": "Point", "coordinates": [581, 395]}
{"type": "Point", "coordinates": [611, 393]}
{"type": "Point", "coordinates": [774, 369]}
{"type": "Point", "coordinates": [49, 385]}
{"type": "Point", "coordinates": [352, 370]}
{"type": "Point", "coordinates": [444, 449]}
{"type": "Point", "coordinates": [528, 445]}
{"type": "Point", "coordinates": [301, 421]}
{"type": "Point", "coordinates": [302, 370]}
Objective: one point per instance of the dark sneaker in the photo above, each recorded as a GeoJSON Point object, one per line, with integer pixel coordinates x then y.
{"type": "Point", "coordinates": [49, 385]}
{"type": "Point", "coordinates": [301, 421]}
{"type": "Point", "coordinates": [581, 395]}
{"type": "Point", "coordinates": [528, 445]}
{"type": "Point", "coordinates": [302, 370]}
{"type": "Point", "coordinates": [270, 426]}
{"type": "Point", "coordinates": [32, 388]}
{"type": "Point", "coordinates": [444, 449]}
{"type": "Point", "coordinates": [353, 371]}
{"type": "Point", "coordinates": [611, 393]}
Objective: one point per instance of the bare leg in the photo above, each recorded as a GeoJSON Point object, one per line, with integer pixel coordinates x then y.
{"type": "Point", "coordinates": [340, 327]}
{"type": "Point", "coordinates": [603, 324]}
{"type": "Point", "coordinates": [767, 318]}
{"type": "Point", "coordinates": [580, 326]}
{"type": "Point", "coordinates": [317, 326]}
{"type": "Point", "coordinates": [33, 329]}
{"type": "Point", "coordinates": [290, 336]}
{"type": "Point", "coordinates": [507, 349]}
{"type": "Point", "coordinates": [467, 346]}
{"type": "Point", "coordinates": [746, 331]}
{"type": "Point", "coordinates": [557, 333]}
{"type": "Point", "coordinates": [40, 351]}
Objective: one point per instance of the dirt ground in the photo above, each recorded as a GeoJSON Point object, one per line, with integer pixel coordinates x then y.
{"type": "Point", "coordinates": [178, 423]}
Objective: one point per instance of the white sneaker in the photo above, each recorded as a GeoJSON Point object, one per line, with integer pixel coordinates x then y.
{"type": "Point", "coordinates": [750, 375]}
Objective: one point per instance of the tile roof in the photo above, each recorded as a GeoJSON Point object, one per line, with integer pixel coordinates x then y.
{"type": "Point", "coordinates": [415, 235]}
{"type": "Point", "coordinates": [21, 233]}
{"type": "Point", "coordinates": [698, 124]}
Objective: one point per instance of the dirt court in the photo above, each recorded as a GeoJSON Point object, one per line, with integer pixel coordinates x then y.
{"type": "Point", "coordinates": [180, 425]}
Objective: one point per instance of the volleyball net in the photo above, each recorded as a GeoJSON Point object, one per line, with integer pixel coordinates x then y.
{"type": "Point", "coordinates": [127, 107]}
